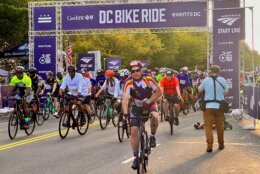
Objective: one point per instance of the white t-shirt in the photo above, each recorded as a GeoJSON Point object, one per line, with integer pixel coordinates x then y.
{"type": "Point", "coordinates": [86, 86]}
{"type": "Point", "coordinates": [74, 84]}
{"type": "Point", "coordinates": [113, 90]}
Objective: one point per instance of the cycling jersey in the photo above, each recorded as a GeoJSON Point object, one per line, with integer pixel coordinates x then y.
{"type": "Point", "coordinates": [21, 84]}
{"type": "Point", "coordinates": [49, 83]}
{"type": "Point", "coordinates": [100, 80]}
{"type": "Point", "coordinates": [112, 90]}
{"type": "Point", "coordinates": [159, 77]}
{"type": "Point", "coordinates": [169, 85]}
{"type": "Point", "coordinates": [74, 84]}
{"type": "Point", "coordinates": [58, 84]}
{"type": "Point", "coordinates": [36, 83]}
{"type": "Point", "coordinates": [140, 90]}
{"type": "Point", "coordinates": [86, 86]}
{"type": "Point", "coordinates": [183, 80]}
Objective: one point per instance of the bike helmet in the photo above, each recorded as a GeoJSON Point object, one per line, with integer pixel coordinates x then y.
{"type": "Point", "coordinates": [49, 73]}
{"type": "Point", "coordinates": [162, 70]}
{"type": "Point", "coordinates": [59, 75]}
{"type": "Point", "coordinates": [124, 72]}
{"type": "Point", "coordinates": [72, 68]}
{"type": "Point", "coordinates": [99, 71]}
{"type": "Point", "coordinates": [32, 70]}
{"type": "Point", "coordinates": [185, 68]}
{"type": "Point", "coordinates": [136, 63]}
{"type": "Point", "coordinates": [19, 69]}
{"type": "Point", "coordinates": [109, 73]}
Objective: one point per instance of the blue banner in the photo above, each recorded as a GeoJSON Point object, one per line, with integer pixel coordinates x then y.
{"type": "Point", "coordinates": [113, 63]}
{"type": "Point", "coordinates": [45, 54]}
{"type": "Point", "coordinates": [44, 18]}
{"type": "Point", "coordinates": [86, 61]}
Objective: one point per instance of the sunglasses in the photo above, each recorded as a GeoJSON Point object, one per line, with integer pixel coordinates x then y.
{"type": "Point", "coordinates": [137, 70]}
{"type": "Point", "coordinates": [169, 75]}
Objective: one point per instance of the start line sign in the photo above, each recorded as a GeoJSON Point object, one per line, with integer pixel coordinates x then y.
{"type": "Point", "coordinates": [149, 15]}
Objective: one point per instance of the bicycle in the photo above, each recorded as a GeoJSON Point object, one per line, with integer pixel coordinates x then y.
{"type": "Point", "coordinates": [171, 111]}
{"type": "Point", "coordinates": [106, 112]}
{"type": "Point", "coordinates": [17, 118]}
{"type": "Point", "coordinates": [144, 147]}
{"type": "Point", "coordinates": [48, 107]}
{"type": "Point", "coordinates": [123, 126]}
{"type": "Point", "coordinates": [185, 106]}
{"type": "Point", "coordinates": [71, 117]}
{"type": "Point", "coordinates": [37, 111]}
{"type": "Point", "coordinates": [162, 110]}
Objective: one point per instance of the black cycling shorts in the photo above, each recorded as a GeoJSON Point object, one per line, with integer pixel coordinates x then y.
{"type": "Point", "coordinates": [174, 98]}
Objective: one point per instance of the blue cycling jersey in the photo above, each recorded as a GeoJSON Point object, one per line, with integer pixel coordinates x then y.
{"type": "Point", "coordinates": [100, 80]}
{"type": "Point", "coordinates": [184, 80]}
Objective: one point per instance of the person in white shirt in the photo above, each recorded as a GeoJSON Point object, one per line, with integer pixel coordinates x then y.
{"type": "Point", "coordinates": [74, 82]}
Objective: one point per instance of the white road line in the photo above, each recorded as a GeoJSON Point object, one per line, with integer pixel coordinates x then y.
{"type": "Point", "coordinates": [4, 123]}
{"type": "Point", "coordinates": [235, 144]}
{"type": "Point", "coordinates": [132, 158]}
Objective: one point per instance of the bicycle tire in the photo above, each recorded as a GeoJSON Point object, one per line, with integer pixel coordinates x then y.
{"type": "Point", "coordinates": [32, 120]}
{"type": "Point", "coordinates": [64, 120]}
{"type": "Point", "coordinates": [39, 116]}
{"type": "Point", "coordinates": [162, 112]}
{"type": "Point", "coordinates": [103, 119]}
{"type": "Point", "coordinates": [120, 130]}
{"type": "Point", "coordinates": [171, 119]}
{"type": "Point", "coordinates": [13, 122]}
{"type": "Point", "coordinates": [93, 117]}
{"type": "Point", "coordinates": [82, 130]}
{"type": "Point", "coordinates": [46, 111]}
{"type": "Point", "coordinates": [114, 118]}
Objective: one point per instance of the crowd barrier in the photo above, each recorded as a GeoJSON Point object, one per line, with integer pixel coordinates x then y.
{"type": "Point", "coordinates": [251, 102]}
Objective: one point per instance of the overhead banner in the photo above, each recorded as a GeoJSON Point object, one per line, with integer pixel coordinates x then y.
{"type": "Point", "coordinates": [86, 61]}
{"type": "Point", "coordinates": [113, 63]}
{"type": "Point", "coordinates": [148, 15]}
{"type": "Point", "coordinates": [45, 54]}
{"type": "Point", "coordinates": [44, 18]}
{"type": "Point", "coordinates": [228, 29]}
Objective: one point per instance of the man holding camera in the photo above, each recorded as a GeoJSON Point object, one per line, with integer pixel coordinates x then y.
{"type": "Point", "coordinates": [215, 87]}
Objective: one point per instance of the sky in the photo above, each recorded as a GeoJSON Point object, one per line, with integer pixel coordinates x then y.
{"type": "Point", "coordinates": [256, 5]}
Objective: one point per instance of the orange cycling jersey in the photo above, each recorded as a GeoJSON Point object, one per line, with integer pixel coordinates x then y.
{"type": "Point", "coordinates": [169, 85]}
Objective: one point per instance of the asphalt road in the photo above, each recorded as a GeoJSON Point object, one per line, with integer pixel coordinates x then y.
{"type": "Point", "coordinates": [100, 152]}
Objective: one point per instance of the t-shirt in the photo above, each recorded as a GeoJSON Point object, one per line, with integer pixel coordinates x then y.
{"type": "Point", "coordinates": [86, 86]}
{"type": "Point", "coordinates": [74, 84]}
{"type": "Point", "coordinates": [21, 84]}
{"type": "Point", "coordinates": [100, 80]}
{"type": "Point", "coordinates": [183, 80]}
{"type": "Point", "coordinates": [159, 77]}
{"type": "Point", "coordinates": [208, 86]}
{"type": "Point", "coordinates": [113, 90]}
{"type": "Point", "coordinates": [169, 85]}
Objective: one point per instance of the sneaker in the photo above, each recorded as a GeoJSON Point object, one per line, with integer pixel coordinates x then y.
{"type": "Point", "coordinates": [167, 118]}
{"type": "Point", "coordinates": [176, 121]}
{"type": "Point", "coordinates": [135, 164]}
{"type": "Point", "coordinates": [221, 146]}
{"type": "Point", "coordinates": [56, 113]}
{"type": "Point", "coordinates": [152, 142]}
{"type": "Point", "coordinates": [209, 149]}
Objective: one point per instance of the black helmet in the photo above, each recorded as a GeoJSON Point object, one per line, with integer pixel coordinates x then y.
{"type": "Point", "coordinates": [32, 70]}
{"type": "Point", "coordinates": [59, 75]}
{"type": "Point", "coordinates": [72, 68]}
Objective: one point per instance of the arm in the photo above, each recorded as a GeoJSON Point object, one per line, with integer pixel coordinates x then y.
{"type": "Point", "coordinates": [125, 103]}
{"type": "Point", "coordinates": [157, 93]}
{"type": "Point", "coordinates": [117, 88]}
{"type": "Point", "coordinates": [54, 87]}
{"type": "Point", "coordinates": [102, 88]}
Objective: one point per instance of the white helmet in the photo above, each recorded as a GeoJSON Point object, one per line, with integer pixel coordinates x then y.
{"type": "Point", "coordinates": [185, 68]}
{"type": "Point", "coordinates": [162, 70]}
{"type": "Point", "coordinates": [124, 72]}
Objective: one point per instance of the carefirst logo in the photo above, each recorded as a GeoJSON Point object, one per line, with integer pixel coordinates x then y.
{"type": "Point", "coordinates": [86, 60]}
{"type": "Point", "coordinates": [229, 19]}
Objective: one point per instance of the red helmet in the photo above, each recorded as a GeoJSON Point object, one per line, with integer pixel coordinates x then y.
{"type": "Point", "coordinates": [109, 73]}
{"type": "Point", "coordinates": [136, 63]}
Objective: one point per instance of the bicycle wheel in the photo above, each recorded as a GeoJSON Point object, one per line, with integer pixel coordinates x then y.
{"type": "Point", "coordinates": [115, 118]}
{"type": "Point", "coordinates": [141, 162]}
{"type": "Point", "coordinates": [147, 151]}
{"type": "Point", "coordinates": [82, 129]}
{"type": "Point", "coordinates": [13, 125]}
{"type": "Point", "coordinates": [185, 108]}
{"type": "Point", "coordinates": [103, 119]}
{"type": "Point", "coordinates": [32, 118]}
{"type": "Point", "coordinates": [64, 125]}
{"type": "Point", "coordinates": [162, 111]}
{"type": "Point", "coordinates": [120, 128]}
{"type": "Point", "coordinates": [39, 116]}
{"type": "Point", "coordinates": [171, 119]}
{"type": "Point", "coordinates": [46, 111]}
{"type": "Point", "coordinates": [93, 108]}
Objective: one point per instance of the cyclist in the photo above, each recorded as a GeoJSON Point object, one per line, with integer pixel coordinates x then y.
{"type": "Point", "coordinates": [161, 74]}
{"type": "Point", "coordinates": [37, 84]}
{"type": "Point", "coordinates": [74, 82]}
{"type": "Point", "coordinates": [55, 91]}
{"type": "Point", "coordinates": [111, 85]}
{"type": "Point", "coordinates": [144, 91]}
{"type": "Point", "coordinates": [100, 79]}
{"type": "Point", "coordinates": [21, 85]}
{"type": "Point", "coordinates": [171, 90]}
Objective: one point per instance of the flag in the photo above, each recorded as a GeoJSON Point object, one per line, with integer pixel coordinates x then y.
{"type": "Point", "coordinates": [69, 53]}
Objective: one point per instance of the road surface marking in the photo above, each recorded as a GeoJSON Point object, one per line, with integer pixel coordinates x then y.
{"type": "Point", "coordinates": [34, 139]}
{"type": "Point", "coordinates": [132, 158]}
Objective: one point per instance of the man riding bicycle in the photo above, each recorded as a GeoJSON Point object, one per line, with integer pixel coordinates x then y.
{"type": "Point", "coordinates": [144, 91]}
{"type": "Point", "coordinates": [21, 85]}
{"type": "Point", "coordinates": [74, 82]}
{"type": "Point", "coordinates": [171, 91]}
{"type": "Point", "coordinates": [55, 90]}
